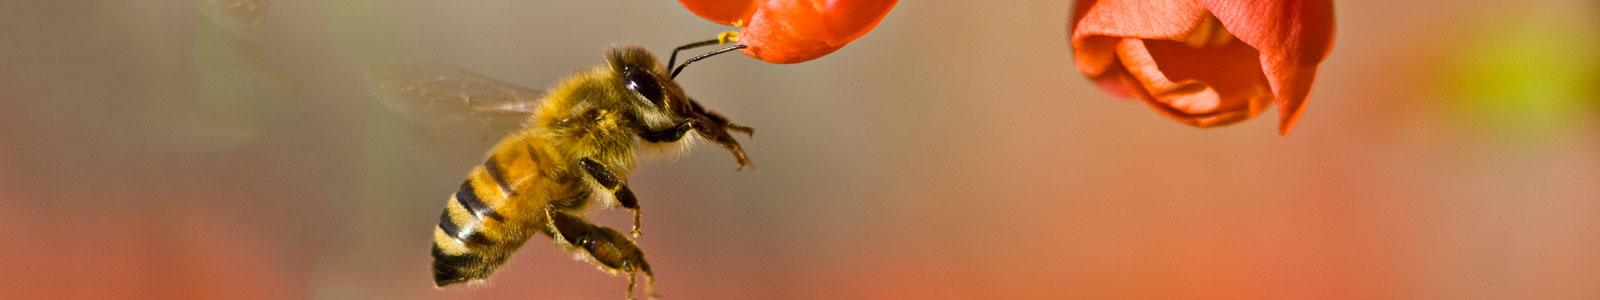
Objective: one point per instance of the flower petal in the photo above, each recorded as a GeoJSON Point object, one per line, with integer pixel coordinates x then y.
{"type": "Point", "coordinates": [792, 31]}
{"type": "Point", "coordinates": [1117, 82]}
{"type": "Point", "coordinates": [1097, 24]}
{"type": "Point", "coordinates": [1203, 87]}
{"type": "Point", "coordinates": [726, 12]}
{"type": "Point", "coordinates": [787, 32]}
{"type": "Point", "coordinates": [1293, 36]}
{"type": "Point", "coordinates": [1147, 19]}
{"type": "Point", "coordinates": [850, 19]}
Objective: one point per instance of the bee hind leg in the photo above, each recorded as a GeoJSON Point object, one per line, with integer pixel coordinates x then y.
{"type": "Point", "coordinates": [610, 248]}
{"type": "Point", "coordinates": [614, 183]}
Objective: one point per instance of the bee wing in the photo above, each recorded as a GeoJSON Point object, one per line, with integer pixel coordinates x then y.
{"type": "Point", "coordinates": [446, 106]}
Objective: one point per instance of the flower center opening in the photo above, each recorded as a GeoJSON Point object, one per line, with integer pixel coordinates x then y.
{"type": "Point", "coordinates": [1209, 33]}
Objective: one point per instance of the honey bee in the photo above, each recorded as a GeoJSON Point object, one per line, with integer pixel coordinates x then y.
{"type": "Point", "coordinates": [572, 148]}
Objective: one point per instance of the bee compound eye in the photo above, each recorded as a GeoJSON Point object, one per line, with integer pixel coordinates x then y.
{"type": "Point", "coordinates": [646, 84]}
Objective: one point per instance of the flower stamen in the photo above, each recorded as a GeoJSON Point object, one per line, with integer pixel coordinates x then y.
{"type": "Point", "coordinates": [728, 37]}
{"type": "Point", "coordinates": [1209, 33]}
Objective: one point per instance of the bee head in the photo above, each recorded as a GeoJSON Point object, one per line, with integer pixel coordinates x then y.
{"type": "Point", "coordinates": [660, 99]}
{"type": "Point", "coordinates": [662, 103]}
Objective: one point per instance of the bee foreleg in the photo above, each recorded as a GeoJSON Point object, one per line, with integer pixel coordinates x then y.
{"type": "Point", "coordinates": [668, 135]}
{"type": "Point", "coordinates": [715, 127]}
{"type": "Point", "coordinates": [614, 251]}
{"type": "Point", "coordinates": [612, 182]}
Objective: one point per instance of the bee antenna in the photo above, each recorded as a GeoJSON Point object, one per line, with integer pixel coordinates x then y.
{"type": "Point", "coordinates": [722, 38]}
{"type": "Point", "coordinates": [704, 56]}
{"type": "Point", "coordinates": [672, 61]}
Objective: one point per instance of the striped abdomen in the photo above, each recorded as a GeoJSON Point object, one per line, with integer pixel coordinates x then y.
{"type": "Point", "coordinates": [495, 210]}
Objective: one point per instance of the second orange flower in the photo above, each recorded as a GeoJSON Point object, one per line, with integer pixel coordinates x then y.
{"type": "Point", "coordinates": [1205, 62]}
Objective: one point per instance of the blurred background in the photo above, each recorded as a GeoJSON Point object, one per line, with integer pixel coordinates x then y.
{"type": "Point", "coordinates": [180, 149]}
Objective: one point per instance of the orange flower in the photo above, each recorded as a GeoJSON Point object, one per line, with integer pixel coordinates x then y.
{"type": "Point", "coordinates": [1205, 62]}
{"type": "Point", "coordinates": [792, 31]}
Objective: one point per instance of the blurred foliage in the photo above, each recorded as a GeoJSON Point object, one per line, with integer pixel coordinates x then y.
{"type": "Point", "coordinates": [1530, 79]}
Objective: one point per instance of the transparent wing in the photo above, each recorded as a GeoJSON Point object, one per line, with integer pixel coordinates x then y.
{"type": "Point", "coordinates": [441, 94]}
{"type": "Point", "coordinates": [450, 109]}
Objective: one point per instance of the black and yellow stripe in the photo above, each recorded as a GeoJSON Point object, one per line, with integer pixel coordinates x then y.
{"type": "Point", "coordinates": [461, 249]}
{"type": "Point", "coordinates": [468, 235]}
{"type": "Point", "coordinates": [481, 224]}
{"type": "Point", "coordinates": [468, 198]}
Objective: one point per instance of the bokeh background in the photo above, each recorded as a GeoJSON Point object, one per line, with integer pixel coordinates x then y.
{"type": "Point", "coordinates": [181, 149]}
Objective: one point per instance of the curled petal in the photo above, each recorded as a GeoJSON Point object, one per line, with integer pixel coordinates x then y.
{"type": "Point", "coordinates": [1118, 82]}
{"type": "Point", "coordinates": [1201, 87]}
{"type": "Point", "coordinates": [1205, 62]}
{"type": "Point", "coordinates": [1098, 25]}
{"type": "Point", "coordinates": [1293, 36]}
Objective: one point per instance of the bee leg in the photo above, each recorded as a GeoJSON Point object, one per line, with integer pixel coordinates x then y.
{"type": "Point", "coordinates": [720, 120]}
{"type": "Point", "coordinates": [667, 135]}
{"type": "Point", "coordinates": [617, 188]}
{"type": "Point", "coordinates": [614, 251]}
{"type": "Point", "coordinates": [715, 127]}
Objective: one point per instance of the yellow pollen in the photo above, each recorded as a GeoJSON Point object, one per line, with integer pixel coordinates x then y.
{"type": "Point", "coordinates": [728, 37]}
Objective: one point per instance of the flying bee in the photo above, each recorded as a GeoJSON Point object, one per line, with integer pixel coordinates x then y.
{"type": "Point", "coordinates": [575, 147]}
